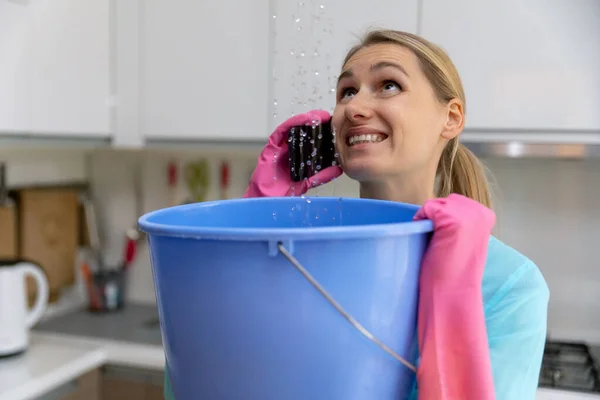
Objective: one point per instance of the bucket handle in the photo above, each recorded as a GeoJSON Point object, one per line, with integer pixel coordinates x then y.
{"type": "Point", "coordinates": [339, 308]}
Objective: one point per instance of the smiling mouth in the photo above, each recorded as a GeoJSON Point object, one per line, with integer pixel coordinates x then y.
{"type": "Point", "coordinates": [366, 138]}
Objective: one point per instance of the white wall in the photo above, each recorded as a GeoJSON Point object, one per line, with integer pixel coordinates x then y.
{"type": "Point", "coordinates": [547, 209]}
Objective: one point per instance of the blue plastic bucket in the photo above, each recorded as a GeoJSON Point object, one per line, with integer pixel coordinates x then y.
{"type": "Point", "coordinates": [240, 321]}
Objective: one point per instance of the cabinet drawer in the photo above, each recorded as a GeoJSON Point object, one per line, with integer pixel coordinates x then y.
{"type": "Point", "coordinates": [127, 383]}
{"type": "Point", "coordinates": [85, 387]}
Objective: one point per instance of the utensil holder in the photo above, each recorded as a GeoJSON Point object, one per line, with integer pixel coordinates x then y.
{"type": "Point", "coordinates": [107, 290]}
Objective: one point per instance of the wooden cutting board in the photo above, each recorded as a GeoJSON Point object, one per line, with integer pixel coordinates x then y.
{"type": "Point", "coordinates": [49, 221]}
{"type": "Point", "coordinates": [8, 231]}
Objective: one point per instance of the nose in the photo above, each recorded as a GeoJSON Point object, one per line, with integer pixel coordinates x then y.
{"type": "Point", "coordinates": [359, 108]}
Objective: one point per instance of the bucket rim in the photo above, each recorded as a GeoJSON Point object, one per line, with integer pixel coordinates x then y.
{"type": "Point", "coordinates": [304, 233]}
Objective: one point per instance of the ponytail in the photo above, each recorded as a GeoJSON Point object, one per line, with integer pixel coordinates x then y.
{"type": "Point", "coordinates": [461, 172]}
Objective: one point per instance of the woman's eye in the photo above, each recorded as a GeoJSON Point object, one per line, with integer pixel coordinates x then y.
{"type": "Point", "coordinates": [390, 85]}
{"type": "Point", "coordinates": [347, 92]}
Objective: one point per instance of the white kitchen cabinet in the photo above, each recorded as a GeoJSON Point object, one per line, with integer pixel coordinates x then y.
{"type": "Point", "coordinates": [55, 67]}
{"type": "Point", "coordinates": [525, 64]}
{"type": "Point", "coordinates": [68, 53]}
{"type": "Point", "coordinates": [13, 72]}
{"type": "Point", "coordinates": [311, 39]}
{"type": "Point", "coordinates": [204, 69]}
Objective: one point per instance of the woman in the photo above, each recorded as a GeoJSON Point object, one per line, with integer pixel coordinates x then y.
{"type": "Point", "coordinates": [399, 111]}
{"type": "Point", "coordinates": [402, 97]}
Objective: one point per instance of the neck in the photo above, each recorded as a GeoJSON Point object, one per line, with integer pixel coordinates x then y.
{"type": "Point", "coordinates": [409, 191]}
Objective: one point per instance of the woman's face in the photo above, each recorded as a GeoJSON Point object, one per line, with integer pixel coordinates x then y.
{"type": "Point", "coordinates": [387, 118]}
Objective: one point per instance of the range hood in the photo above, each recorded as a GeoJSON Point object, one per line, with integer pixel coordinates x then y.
{"type": "Point", "coordinates": [532, 143]}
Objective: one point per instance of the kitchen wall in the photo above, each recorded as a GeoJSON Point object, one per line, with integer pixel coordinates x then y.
{"type": "Point", "coordinates": [547, 209]}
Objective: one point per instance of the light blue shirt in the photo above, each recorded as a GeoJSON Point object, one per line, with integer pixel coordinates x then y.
{"type": "Point", "coordinates": [515, 297]}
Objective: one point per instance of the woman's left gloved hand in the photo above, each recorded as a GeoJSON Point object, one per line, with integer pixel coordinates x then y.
{"type": "Point", "coordinates": [455, 361]}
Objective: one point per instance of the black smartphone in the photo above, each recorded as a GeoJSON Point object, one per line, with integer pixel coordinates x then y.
{"type": "Point", "coordinates": [311, 149]}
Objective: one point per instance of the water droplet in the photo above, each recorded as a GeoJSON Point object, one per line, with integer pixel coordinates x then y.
{"type": "Point", "coordinates": [317, 73]}
{"type": "Point", "coordinates": [274, 115]}
{"type": "Point", "coordinates": [274, 216]}
{"type": "Point", "coordinates": [302, 54]}
{"type": "Point", "coordinates": [321, 6]}
{"type": "Point", "coordinates": [274, 16]}
{"type": "Point", "coordinates": [308, 200]}
{"type": "Point", "coordinates": [292, 52]}
{"type": "Point", "coordinates": [297, 20]}
{"type": "Point", "coordinates": [299, 28]}
{"type": "Point", "coordinates": [320, 136]}
{"type": "Point", "coordinates": [274, 102]}
{"type": "Point", "coordinates": [308, 162]}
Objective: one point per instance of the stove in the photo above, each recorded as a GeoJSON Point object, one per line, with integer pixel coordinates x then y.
{"type": "Point", "coordinates": [569, 366]}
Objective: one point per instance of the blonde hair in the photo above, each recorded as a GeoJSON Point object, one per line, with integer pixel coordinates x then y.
{"type": "Point", "coordinates": [459, 170]}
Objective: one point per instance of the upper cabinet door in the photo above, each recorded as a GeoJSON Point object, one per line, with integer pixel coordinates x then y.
{"type": "Point", "coordinates": [68, 60]}
{"type": "Point", "coordinates": [204, 69]}
{"type": "Point", "coordinates": [531, 64]}
{"type": "Point", "coordinates": [13, 68]}
{"type": "Point", "coordinates": [311, 40]}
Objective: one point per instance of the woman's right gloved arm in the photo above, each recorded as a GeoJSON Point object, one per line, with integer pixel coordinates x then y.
{"type": "Point", "coordinates": [455, 359]}
{"type": "Point", "coordinates": [271, 177]}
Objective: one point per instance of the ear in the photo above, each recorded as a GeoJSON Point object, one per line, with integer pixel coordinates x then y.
{"type": "Point", "coordinates": [455, 119]}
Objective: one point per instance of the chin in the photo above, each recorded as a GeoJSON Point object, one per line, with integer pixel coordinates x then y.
{"type": "Point", "coordinates": [362, 171]}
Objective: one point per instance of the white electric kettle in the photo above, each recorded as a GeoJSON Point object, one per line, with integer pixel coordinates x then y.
{"type": "Point", "coordinates": [15, 318]}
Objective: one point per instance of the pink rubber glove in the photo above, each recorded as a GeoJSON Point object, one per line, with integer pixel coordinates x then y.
{"type": "Point", "coordinates": [271, 177]}
{"type": "Point", "coordinates": [455, 361]}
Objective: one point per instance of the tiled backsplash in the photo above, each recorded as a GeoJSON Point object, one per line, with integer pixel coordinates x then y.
{"type": "Point", "coordinates": [546, 208]}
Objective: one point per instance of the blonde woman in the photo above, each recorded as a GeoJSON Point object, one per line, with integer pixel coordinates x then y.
{"type": "Point", "coordinates": [400, 109]}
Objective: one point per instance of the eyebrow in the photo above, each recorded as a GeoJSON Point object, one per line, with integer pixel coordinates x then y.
{"type": "Point", "coordinates": [380, 65]}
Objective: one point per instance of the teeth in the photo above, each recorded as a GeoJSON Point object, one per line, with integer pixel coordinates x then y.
{"type": "Point", "coordinates": [365, 139]}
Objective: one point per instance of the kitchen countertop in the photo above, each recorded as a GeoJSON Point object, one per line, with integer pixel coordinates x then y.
{"type": "Point", "coordinates": [63, 348]}
{"type": "Point", "coordinates": [135, 323]}
{"type": "Point", "coordinates": [68, 346]}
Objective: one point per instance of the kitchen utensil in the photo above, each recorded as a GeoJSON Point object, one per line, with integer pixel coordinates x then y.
{"type": "Point", "coordinates": [15, 318]}
{"type": "Point", "coordinates": [172, 183]}
{"type": "Point", "coordinates": [8, 219]}
{"type": "Point", "coordinates": [224, 180]}
{"type": "Point", "coordinates": [91, 229]}
{"type": "Point", "coordinates": [88, 278]}
{"type": "Point", "coordinates": [197, 177]}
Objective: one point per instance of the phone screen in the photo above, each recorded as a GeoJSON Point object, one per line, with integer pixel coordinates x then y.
{"type": "Point", "coordinates": [311, 149]}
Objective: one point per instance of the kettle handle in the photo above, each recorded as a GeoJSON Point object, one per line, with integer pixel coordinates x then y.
{"type": "Point", "coordinates": [41, 301]}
